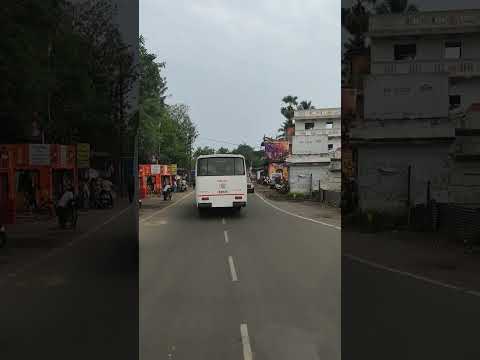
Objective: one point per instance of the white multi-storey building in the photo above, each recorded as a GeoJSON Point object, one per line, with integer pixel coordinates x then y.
{"type": "Point", "coordinates": [315, 158]}
{"type": "Point", "coordinates": [424, 78]}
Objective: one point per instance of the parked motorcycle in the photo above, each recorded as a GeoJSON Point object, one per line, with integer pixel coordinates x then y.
{"type": "Point", "coordinates": [105, 199]}
{"type": "Point", "coordinates": [284, 188]}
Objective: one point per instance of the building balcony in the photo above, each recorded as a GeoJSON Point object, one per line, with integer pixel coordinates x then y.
{"type": "Point", "coordinates": [463, 68]}
{"type": "Point", "coordinates": [425, 23]}
{"type": "Point", "coordinates": [318, 114]}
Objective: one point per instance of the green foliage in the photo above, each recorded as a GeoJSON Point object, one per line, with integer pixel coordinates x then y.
{"type": "Point", "coordinates": [166, 132]}
{"type": "Point", "coordinates": [288, 111]}
{"type": "Point", "coordinates": [223, 150]}
{"type": "Point", "coordinates": [305, 105]}
{"type": "Point", "coordinates": [206, 150]}
{"type": "Point", "coordinates": [296, 196]}
{"type": "Point", "coordinates": [68, 65]}
{"type": "Point", "coordinates": [252, 157]}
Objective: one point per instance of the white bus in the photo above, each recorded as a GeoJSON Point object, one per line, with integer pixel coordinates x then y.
{"type": "Point", "coordinates": [221, 181]}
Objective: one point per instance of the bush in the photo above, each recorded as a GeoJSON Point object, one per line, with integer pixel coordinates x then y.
{"type": "Point", "coordinates": [297, 196]}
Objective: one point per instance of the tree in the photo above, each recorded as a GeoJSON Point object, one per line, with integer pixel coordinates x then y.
{"type": "Point", "coordinates": [152, 83]}
{"type": "Point", "coordinates": [203, 151]}
{"type": "Point", "coordinates": [305, 105]}
{"type": "Point", "coordinates": [166, 131]}
{"type": "Point", "coordinates": [252, 157]}
{"type": "Point", "coordinates": [288, 111]}
{"type": "Point", "coordinates": [223, 150]}
{"type": "Point", "coordinates": [395, 7]}
{"type": "Point", "coordinates": [67, 64]}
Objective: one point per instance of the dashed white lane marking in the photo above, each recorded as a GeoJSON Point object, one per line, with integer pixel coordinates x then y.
{"type": "Point", "coordinates": [233, 272]}
{"type": "Point", "coordinates": [225, 235]}
{"type": "Point", "coordinates": [224, 222]}
{"type": "Point", "coordinates": [414, 276]}
{"type": "Point", "coordinates": [247, 349]}
{"type": "Point", "coordinates": [298, 216]}
{"type": "Point", "coordinates": [163, 209]}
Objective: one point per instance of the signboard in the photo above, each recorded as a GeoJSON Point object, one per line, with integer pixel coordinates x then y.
{"type": "Point", "coordinates": [409, 96]}
{"type": "Point", "coordinates": [155, 169]}
{"type": "Point", "coordinates": [63, 156]}
{"type": "Point", "coordinates": [172, 169]}
{"type": "Point", "coordinates": [278, 168]}
{"type": "Point", "coordinates": [83, 155]}
{"type": "Point", "coordinates": [276, 150]}
{"type": "Point", "coordinates": [39, 154]}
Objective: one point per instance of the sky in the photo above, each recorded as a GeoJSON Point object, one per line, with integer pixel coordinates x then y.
{"type": "Point", "coordinates": [233, 61]}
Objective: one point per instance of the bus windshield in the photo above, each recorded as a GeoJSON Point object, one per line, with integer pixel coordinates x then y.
{"type": "Point", "coordinates": [220, 166]}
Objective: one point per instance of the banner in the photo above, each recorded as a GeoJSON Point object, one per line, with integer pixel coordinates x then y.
{"type": "Point", "coordinates": [172, 169]}
{"type": "Point", "coordinates": [276, 150]}
{"type": "Point", "coordinates": [278, 168]}
{"type": "Point", "coordinates": [39, 154]}
{"type": "Point", "coordinates": [155, 169]}
{"type": "Point", "coordinates": [83, 155]}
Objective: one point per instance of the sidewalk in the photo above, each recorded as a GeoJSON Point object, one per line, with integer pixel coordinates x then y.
{"type": "Point", "coordinates": [34, 236]}
{"type": "Point", "coordinates": [426, 254]}
{"type": "Point", "coordinates": [306, 208]}
{"type": "Point", "coordinates": [153, 203]}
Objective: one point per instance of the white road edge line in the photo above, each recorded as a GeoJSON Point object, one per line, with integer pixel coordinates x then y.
{"type": "Point", "coordinates": [296, 215]}
{"type": "Point", "coordinates": [411, 275]}
{"type": "Point", "coordinates": [69, 244]}
{"type": "Point", "coordinates": [232, 269]}
{"type": "Point", "coordinates": [247, 349]}
{"type": "Point", "coordinates": [163, 209]}
{"type": "Point", "coordinates": [225, 235]}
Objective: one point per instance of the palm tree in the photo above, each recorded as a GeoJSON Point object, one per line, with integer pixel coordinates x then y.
{"type": "Point", "coordinates": [288, 111]}
{"type": "Point", "coordinates": [305, 105]}
{"type": "Point", "coordinates": [394, 7]}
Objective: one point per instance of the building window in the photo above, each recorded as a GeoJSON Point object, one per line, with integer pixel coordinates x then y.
{"type": "Point", "coordinates": [455, 101]}
{"type": "Point", "coordinates": [405, 51]}
{"type": "Point", "coordinates": [309, 126]}
{"type": "Point", "coordinates": [453, 50]}
{"type": "Point", "coordinates": [330, 147]}
{"type": "Point", "coordinates": [329, 125]}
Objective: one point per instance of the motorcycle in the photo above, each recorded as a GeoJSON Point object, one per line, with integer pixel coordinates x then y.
{"type": "Point", "coordinates": [105, 199]}
{"type": "Point", "coordinates": [167, 195]}
{"type": "Point", "coordinates": [284, 188]}
{"type": "Point", "coordinates": [69, 215]}
{"type": "Point", "coordinates": [183, 187]}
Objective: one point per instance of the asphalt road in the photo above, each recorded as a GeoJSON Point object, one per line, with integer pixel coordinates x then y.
{"type": "Point", "coordinates": [79, 302]}
{"type": "Point", "coordinates": [387, 315]}
{"type": "Point", "coordinates": [256, 285]}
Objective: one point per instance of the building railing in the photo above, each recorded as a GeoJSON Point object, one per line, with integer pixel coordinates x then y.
{"type": "Point", "coordinates": [454, 68]}
{"type": "Point", "coordinates": [428, 22]}
{"type": "Point", "coordinates": [318, 113]}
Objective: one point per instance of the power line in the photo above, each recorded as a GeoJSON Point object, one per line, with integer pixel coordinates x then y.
{"type": "Point", "coordinates": [224, 142]}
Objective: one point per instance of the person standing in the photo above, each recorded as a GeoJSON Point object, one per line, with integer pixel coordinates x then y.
{"type": "Point", "coordinates": [63, 204]}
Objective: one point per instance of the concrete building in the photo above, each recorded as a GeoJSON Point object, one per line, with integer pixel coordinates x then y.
{"type": "Point", "coordinates": [315, 156]}
{"type": "Point", "coordinates": [424, 78]}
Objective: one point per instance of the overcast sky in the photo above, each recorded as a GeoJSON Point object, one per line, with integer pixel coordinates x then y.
{"type": "Point", "coordinates": [233, 61]}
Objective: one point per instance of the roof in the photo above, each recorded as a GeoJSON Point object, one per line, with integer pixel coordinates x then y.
{"type": "Point", "coordinates": [221, 156]}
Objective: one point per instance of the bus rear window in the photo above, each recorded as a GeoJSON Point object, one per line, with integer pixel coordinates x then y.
{"type": "Point", "coordinates": [220, 166]}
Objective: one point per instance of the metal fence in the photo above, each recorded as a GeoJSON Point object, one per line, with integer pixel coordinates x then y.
{"type": "Point", "coordinates": [332, 198]}
{"type": "Point", "coordinates": [460, 222]}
